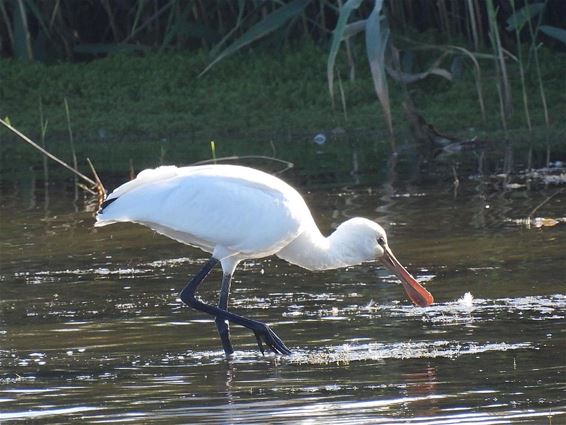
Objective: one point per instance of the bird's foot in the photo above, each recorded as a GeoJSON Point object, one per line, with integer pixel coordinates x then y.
{"type": "Point", "coordinates": [264, 334]}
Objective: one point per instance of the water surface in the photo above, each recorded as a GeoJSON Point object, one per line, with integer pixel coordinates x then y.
{"type": "Point", "coordinates": [91, 327]}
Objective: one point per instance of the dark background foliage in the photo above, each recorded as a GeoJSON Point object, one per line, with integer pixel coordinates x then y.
{"type": "Point", "coordinates": [80, 30]}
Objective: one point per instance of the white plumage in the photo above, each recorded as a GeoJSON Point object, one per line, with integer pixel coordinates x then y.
{"type": "Point", "coordinates": [237, 212]}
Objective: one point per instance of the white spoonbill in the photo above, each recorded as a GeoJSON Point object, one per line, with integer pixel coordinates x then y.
{"type": "Point", "coordinates": [236, 213]}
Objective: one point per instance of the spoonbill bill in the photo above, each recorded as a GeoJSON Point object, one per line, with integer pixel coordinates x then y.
{"type": "Point", "coordinates": [237, 213]}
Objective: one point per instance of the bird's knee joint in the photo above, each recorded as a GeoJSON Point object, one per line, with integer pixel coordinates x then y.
{"type": "Point", "coordinates": [188, 298]}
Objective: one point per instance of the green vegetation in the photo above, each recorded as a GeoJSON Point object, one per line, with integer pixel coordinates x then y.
{"type": "Point", "coordinates": [160, 100]}
{"type": "Point", "coordinates": [128, 104]}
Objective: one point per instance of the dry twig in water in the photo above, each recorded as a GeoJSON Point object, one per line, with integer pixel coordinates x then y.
{"type": "Point", "coordinates": [96, 186]}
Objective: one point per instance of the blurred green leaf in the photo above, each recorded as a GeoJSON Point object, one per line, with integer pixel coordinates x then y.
{"type": "Point", "coordinates": [554, 32]}
{"type": "Point", "coordinates": [265, 26]}
{"type": "Point", "coordinates": [518, 19]}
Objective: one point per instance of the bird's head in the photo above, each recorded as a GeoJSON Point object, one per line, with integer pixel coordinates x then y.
{"type": "Point", "coordinates": [368, 241]}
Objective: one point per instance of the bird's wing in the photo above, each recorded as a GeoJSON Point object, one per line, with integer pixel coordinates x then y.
{"type": "Point", "coordinates": [255, 214]}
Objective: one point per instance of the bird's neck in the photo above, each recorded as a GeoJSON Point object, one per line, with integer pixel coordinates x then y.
{"type": "Point", "coordinates": [312, 251]}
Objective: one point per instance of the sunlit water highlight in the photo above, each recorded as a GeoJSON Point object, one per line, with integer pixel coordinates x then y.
{"type": "Point", "coordinates": [91, 327]}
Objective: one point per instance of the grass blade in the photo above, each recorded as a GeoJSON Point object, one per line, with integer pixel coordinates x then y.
{"type": "Point", "coordinates": [22, 37]}
{"type": "Point", "coordinates": [70, 131]}
{"type": "Point", "coordinates": [354, 28]}
{"type": "Point", "coordinates": [43, 132]}
{"type": "Point", "coordinates": [504, 87]}
{"type": "Point", "coordinates": [517, 31]}
{"type": "Point", "coordinates": [477, 77]}
{"type": "Point", "coordinates": [473, 24]}
{"type": "Point", "coordinates": [7, 21]}
{"type": "Point", "coordinates": [377, 37]}
{"type": "Point", "coordinates": [149, 21]}
{"type": "Point", "coordinates": [434, 69]}
{"type": "Point", "coordinates": [337, 36]}
{"type": "Point", "coordinates": [214, 51]}
{"type": "Point", "coordinates": [71, 143]}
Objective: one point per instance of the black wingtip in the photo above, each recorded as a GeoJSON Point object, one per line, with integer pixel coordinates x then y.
{"type": "Point", "coordinates": [105, 204]}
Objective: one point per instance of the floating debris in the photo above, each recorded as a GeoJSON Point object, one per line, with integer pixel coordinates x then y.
{"type": "Point", "coordinates": [555, 179]}
{"type": "Point", "coordinates": [548, 175]}
{"type": "Point", "coordinates": [537, 222]}
{"type": "Point", "coordinates": [515, 186]}
{"type": "Point", "coordinates": [319, 139]}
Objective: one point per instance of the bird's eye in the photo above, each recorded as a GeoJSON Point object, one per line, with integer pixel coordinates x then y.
{"type": "Point", "coordinates": [381, 241]}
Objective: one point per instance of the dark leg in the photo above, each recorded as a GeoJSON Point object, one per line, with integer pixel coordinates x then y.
{"type": "Point", "coordinates": [262, 332]}
{"type": "Point", "coordinates": [222, 324]}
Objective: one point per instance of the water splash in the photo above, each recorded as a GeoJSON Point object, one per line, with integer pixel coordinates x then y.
{"type": "Point", "coordinates": [467, 300]}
